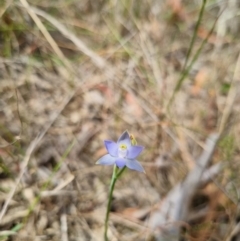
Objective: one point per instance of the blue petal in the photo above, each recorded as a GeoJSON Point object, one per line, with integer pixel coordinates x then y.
{"type": "Point", "coordinates": [134, 151]}
{"type": "Point", "coordinates": [124, 139]}
{"type": "Point", "coordinates": [111, 147]}
{"type": "Point", "coordinates": [106, 160]}
{"type": "Point", "coordinates": [134, 165]}
{"type": "Point", "coordinates": [121, 162]}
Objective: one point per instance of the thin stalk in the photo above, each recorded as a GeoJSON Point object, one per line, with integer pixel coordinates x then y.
{"type": "Point", "coordinates": [116, 174]}
{"type": "Point", "coordinates": [187, 70]}
{"type": "Point", "coordinates": [195, 33]}
{"type": "Point", "coordinates": [113, 181]}
{"type": "Point", "coordinates": [120, 172]}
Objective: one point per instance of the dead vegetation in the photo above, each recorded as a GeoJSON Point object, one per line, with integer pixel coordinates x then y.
{"type": "Point", "coordinates": [73, 73]}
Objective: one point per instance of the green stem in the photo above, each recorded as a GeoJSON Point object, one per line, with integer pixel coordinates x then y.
{"type": "Point", "coordinates": [116, 174]}
{"type": "Point", "coordinates": [185, 70]}
{"type": "Point", "coordinates": [120, 172]}
{"type": "Point", "coordinates": [195, 33]}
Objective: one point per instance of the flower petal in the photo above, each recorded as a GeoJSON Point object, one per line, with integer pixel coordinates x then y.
{"type": "Point", "coordinates": [120, 162]}
{"type": "Point", "coordinates": [134, 165]}
{"type": "Point", "coordinates": [111, 147]}
{"type": "Point", "coordinates": [124, 139]}
{"type": "Point", "coordinates": [134, 151]}
{"type": "Point", "coordinates": [106, 160]}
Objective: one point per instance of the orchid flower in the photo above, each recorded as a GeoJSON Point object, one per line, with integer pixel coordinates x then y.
{"type": "Point", "coordinates": [122, 153]}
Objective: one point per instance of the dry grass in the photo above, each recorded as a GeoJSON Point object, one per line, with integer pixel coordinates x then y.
{"type": "Point", "coordinates": [73, 73]}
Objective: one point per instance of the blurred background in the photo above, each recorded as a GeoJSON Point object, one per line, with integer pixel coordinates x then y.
{"type": "Point", "coordinates": [74, 73]}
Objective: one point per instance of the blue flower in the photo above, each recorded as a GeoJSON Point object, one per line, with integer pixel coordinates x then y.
{"type": "Point", "coordinates": [122, 153]}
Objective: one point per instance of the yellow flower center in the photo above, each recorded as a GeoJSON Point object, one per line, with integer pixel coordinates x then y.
{"type": "Point", "coordinates": [122, 150]}
{"type": "Point", "coordinates": [122, 147]}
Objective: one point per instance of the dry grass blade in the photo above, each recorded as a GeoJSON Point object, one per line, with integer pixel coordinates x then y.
{"type": "Point", "coordinates": [12, 218]}
{"type": "Point", "coordinates": [64, 228]}
{"type": "Point", "coordinates": [97, 60]}
{"type": "Point", "coordinates": [234, 235]}
{"type": "Point", "coordinates": [46, 34]}
{"type": "Point", "coordinates": [7, 233]}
